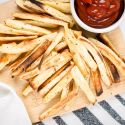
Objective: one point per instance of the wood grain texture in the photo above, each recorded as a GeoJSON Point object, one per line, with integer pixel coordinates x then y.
{"type": "Point", "coordinates": [33, 102]}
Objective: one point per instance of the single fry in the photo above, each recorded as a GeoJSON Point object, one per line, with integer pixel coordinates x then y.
{"type": "Point", "coordinates": [7, 30]}
{"type": "Point", "coordinates": [40, 18]}
{"type": "Point", "coordinates": [42, 77]}
{"type": "Point", "coordinates": [61, 46]}
{"type": "Point", "coordinates": [81, 64]}
{"type": "Point", "coordinates": [27, 90]}
{"type": "Point", "coordinates": [114, 71]}
{"type": "Point", "coordinates": [63, 7]}
{"type": "Point", "coordinates": [41, 39]}
{"type": "Point", "coordinates": [26, 27]}
{"type": "Point", "coordinates": [13, 48]}
{"type": "Point", "coordinates": [58, 88]}
{"type": "Point", "coordinates": [41, 24]}
{"type": "Point", "coordinates": [109, 73]}
{"type": "Point", "coordinates": [83, 84]}
{"type": "Point", "coordinates": [96, 79]}
{"type": "Point", "coordinates": [4, 39]}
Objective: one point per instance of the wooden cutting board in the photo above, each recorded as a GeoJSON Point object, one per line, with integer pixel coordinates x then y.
{"type": "Point", "coordinates": [33, 102]}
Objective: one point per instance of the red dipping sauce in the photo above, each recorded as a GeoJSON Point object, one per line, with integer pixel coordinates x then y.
{"type": "Point", "coordinates": [99, 13]}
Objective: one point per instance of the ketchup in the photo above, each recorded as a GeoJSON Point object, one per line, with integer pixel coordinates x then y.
{"type": "Point", "coordinates": [100, 13]}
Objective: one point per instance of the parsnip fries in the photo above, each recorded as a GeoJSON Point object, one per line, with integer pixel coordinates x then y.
{"type": "Point", "coordinates": [41, 47]}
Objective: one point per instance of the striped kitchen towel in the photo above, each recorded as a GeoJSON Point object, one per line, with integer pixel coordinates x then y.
{"type": "Point", "coordinates": [107, 112]}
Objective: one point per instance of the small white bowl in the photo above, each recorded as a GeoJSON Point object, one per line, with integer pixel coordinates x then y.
{"type": "Point", "coordinates": [91, 29]}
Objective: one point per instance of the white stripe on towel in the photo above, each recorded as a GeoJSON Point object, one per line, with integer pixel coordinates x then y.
{"type": "Point", "coordinates": [71, 119]}
{"type": "Point", "coordinates": [117, 106]}
{"type": "Point", "coordinates": [122, 95]}
{"type": "Point", "coordinates": [102, 115]}
{"type": "Point", "coordinates": [49, 121]}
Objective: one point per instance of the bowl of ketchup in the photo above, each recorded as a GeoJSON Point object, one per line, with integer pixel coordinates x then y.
{"type": "Point", "coordinates": [98, 16]}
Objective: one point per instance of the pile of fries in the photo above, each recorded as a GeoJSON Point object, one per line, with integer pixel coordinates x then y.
{"type": "Point", "coordinates": [40, 47]}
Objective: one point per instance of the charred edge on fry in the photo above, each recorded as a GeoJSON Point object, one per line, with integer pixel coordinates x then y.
{"type": "Point", "coordinates": [114, 70]}
{"type": "Point", "coordinates": [35, 2]}
{"type": "Point", "coordinates": [33, 57]}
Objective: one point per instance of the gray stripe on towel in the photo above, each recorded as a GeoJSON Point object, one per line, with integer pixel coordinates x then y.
{"type": "Point", "coordinates": [120, 99]}
{"type": "Point", "coordinates": [112, 112]}
{"type": "Point", "coordinates": [41, 123]}
{"type": "Point", "coordinates": [87, 117]}
{"type": "Point", "coordinates": [59, 120]}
